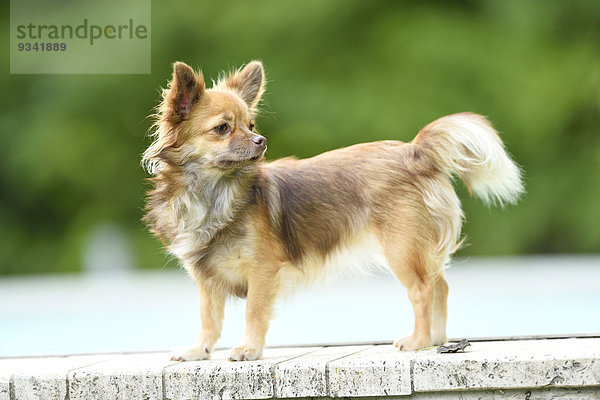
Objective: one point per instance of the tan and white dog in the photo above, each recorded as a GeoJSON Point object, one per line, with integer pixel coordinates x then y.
{"type": "Point", "coordinates": [249, 228]}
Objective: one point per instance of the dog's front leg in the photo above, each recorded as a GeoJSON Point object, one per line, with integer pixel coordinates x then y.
{"type": "Point", "coordinates": [263, 286]}
{"type": "Point", "coordinates": [212, 306]}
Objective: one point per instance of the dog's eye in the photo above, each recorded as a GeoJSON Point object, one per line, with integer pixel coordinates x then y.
{"type": "Point", "coordinates": [221, 129]}
{"type": "Point", "coordinates": [251, 126]}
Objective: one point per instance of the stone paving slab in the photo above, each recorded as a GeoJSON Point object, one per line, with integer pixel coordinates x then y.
{"type": "Point", "coordinates": [378, 371]}
{"type": "Point", "coordinates": [41, 378]}
{"type": "Point", "coordinates": [519, 364]}
{"type": "Point", "coordinates": [532, 369]}
{"type": "Point", "coordinates": [306, 376]}
{"type": "Point", "coordinates": [124, 377]}
{"type": "Point", "coordinates": [221, 379]}
{"type": "Point", "coordinates": [507, 394]}
{"type": "Point", "coordinates": [8, 368]}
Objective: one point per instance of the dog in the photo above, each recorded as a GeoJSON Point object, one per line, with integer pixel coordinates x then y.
{"type": "Point", "coordinates": [245, 227]}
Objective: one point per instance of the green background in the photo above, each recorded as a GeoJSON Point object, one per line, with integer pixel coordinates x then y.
{"type": "Point", "coordinates": [340, 72]}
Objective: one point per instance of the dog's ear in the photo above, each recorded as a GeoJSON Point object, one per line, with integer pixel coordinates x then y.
{"type": "Point", "coordinates": [249, 83]}
{"type": "Point", "coordinates": [185, 90]}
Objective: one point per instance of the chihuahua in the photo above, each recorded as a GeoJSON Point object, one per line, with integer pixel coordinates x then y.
{"type": "Point", "coordinates": [245, 227]}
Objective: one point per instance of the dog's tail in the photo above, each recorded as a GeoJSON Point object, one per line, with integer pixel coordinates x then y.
{"type": "Point", "coordinates": [466, 144]}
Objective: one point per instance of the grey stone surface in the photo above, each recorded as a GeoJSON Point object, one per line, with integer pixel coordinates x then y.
{"type": "Point", "coordinates": [509, 394]}
{"type": "Point", "coordinates": [130, 376]}
{"type": "Point", "coordinates": [221, 379]}
{"type": "Point", "coordinates": [306, 376]}
{"type": "Point", "coordinates": [42, 378]}
{"type": "Point", "coordinates": [4, 387]}
{"type": "Point", "coordinates": [504, 365]}
{"type": "Point", "coordinates": [9, 367]}
{"type": "Point", "coordinates": [378, 371]}
{"type": "Point", "coordinates": [527, 369]}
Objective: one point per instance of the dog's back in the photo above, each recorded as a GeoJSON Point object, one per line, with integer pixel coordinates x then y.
{"type": "Point", "coordinates": [400, 192]}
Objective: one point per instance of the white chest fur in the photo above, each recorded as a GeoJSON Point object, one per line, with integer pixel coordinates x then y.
{"type": "Point", "coordinates": [208, 204]}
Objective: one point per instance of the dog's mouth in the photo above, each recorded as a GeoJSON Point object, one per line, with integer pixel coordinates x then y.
{"type": "Point", "coordinates": [243, 160]}
{"type": "Point", "coordinates": [228, 163]}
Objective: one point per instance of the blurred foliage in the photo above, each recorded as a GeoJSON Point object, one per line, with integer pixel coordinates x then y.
{"type": "Point", "coordinates": [340, 72]}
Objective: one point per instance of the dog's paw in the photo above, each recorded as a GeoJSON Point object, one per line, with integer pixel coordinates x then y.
{"type": "Point", "coordinates": [191, 353]}
{"type": "Point", "coordinates": [438, 340]}
{"type": "Point", "coordinates": [409, 343]}
{"type": "Point", "coordinates": [245, 353]}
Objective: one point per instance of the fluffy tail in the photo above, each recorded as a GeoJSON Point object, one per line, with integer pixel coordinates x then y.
{"type": "Point", "coordinates": [466, 144]}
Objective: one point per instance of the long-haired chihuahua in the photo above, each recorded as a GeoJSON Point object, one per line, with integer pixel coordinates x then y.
{"type": "Point", "coordinates": [245, 227]}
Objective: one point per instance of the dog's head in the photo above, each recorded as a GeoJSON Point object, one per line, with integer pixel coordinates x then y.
{"type": "Point", "coordinates": [211, 127]}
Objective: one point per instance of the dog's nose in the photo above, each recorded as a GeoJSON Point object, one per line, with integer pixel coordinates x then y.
{"type": "Point", "coordinates": [259, 140]}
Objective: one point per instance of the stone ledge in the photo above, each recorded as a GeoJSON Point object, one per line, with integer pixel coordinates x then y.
{"type": "Point", "coordinates": [521, 369]}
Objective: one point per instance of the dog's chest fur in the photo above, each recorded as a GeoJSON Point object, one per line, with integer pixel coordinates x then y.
{"type": "Point", "coordinates": [198, 219]}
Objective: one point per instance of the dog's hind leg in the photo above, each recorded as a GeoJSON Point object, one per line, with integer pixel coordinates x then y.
{"type": "Point", "coordinates": [420, 293]}
{"type": "Point", "coordinates": [440, 307]}
{"type": "Point", "coordinates": [412, 264]}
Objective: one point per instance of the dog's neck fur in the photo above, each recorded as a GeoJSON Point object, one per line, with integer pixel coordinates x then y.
{"type": "Point", "coordinates": [192, 203]}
